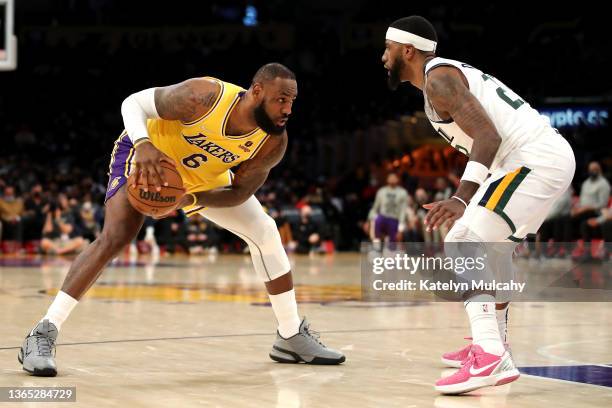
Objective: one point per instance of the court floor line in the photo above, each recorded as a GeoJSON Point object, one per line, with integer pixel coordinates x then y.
{"type": "Point", "coordinates": [213, 336]}
{"type": "Point", "coordinates": [573, 383]}
{"type": "Point", "coordinates": [544, 352]}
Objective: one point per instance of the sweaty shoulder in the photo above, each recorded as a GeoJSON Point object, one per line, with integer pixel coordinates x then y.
{"type": "Point", "coordinates": [188, 100]}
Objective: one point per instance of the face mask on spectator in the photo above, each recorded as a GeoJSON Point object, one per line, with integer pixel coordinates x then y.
{"type": "Point", "coordinates": [593, 175]}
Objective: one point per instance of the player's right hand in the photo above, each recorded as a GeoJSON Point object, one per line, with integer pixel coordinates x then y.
{"type": "Point", "coordinates": [147, 167]}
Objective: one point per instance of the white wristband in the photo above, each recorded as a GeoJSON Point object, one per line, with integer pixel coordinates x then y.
{"type": "Point", "coordinates": [136, 109]}
{"type": "Point", "coordinates": [460, 199]}
{"type": "Point", "coordinates": [475, 172]}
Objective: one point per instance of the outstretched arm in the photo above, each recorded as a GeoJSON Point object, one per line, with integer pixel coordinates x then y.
{"type": "Point", "coordinates": [448, 91]}
{"type": "Point", "coordinates": [250, 176]}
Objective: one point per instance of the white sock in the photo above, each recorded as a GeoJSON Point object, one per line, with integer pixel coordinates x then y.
{"type": "Point", "coordinates": [502, 322]}
{"type": "Point", "coordinates": [285, 309]}
{"type": "Point", "coordinates": [60, 309]}
{"type": "Point", "coordinates": [483, 321]}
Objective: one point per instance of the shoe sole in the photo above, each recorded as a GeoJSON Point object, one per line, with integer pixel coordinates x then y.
{"type": "Point", "coordinates": [47, 372]}
{"type": "Point", "coordinates": [290, 357]}
{"type": "Point", "coordinates": [479, 382]}
{"type": "Point", "coordinates": [451, 363]}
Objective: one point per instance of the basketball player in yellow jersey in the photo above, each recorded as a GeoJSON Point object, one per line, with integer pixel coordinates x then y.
{"type": "Point", "coordinates": [204, 126]}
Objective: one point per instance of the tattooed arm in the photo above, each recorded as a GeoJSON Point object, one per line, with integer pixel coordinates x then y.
{"type": "Point", "coordinates": [449, 94]}
{"type": "Point", "coordinates": [188, 100]}
{"type": "Point", "coordinates": [249, 177]}
{"type": "Point", "coordinates": [448, 91]}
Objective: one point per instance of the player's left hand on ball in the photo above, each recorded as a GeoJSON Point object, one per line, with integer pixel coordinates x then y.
{"type": "Point", "coordinates": [442, 212]}
{"type": "Point", "coordinates": [147, 166]}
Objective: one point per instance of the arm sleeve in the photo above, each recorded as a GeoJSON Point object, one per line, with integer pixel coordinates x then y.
{"type": "Point", "coordinates": [136, 109]}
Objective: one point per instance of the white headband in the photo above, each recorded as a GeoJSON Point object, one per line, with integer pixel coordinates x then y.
{"type": "Point", "coordinates": [404, 37]}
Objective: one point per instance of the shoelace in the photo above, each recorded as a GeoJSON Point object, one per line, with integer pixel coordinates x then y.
{"type": "Point", "coordinates": [469, 357]}
{"type": "Point", "coordinates": [45, 345]}
{"type": "Point", "coordinates": [313, 334]}
{"type": "Point", "coordinates": [467, 361]}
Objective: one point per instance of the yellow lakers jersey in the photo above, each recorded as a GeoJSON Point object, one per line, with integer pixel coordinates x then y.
{"type": "Point", "coordinates": [203, 152]}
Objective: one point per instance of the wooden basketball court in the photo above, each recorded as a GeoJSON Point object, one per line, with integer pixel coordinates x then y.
{"type": "Point", "coordinates": [181, 332]}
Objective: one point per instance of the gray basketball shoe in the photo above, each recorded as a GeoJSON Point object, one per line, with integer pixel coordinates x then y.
{"type": "Point", "coordinates": [304, 346]}
{"type": "Point", "coordinates": [38, 350]}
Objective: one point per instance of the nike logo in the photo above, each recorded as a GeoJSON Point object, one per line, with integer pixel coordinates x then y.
{"type": "Point", "coordinates": [480, 370]}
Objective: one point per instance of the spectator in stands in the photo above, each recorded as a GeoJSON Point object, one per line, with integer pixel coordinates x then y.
{"type": "Point", "coordinates": [603, 223]}
{"type": "Point", "coordinates": [73, 207]}
{"type": "Point", "coordinates": [34, 214]}
{"type": "Point", "coordinates": [171, 232]}
{"type": "Point", "coordinates": [89, 226]}
{"type": "Point", "coordinates": [388, 214]}
{"type": "Point", "coordinates": [59, 233]}
{"type": "Point", "coordinates": [201, 235]}
{"type": "Point", "coordinates": [552, 228]}
{"type": "Point", "coordinates": [412, 233]}
{"type": "Point", "coordinates": [332, 213]}
{"type": "Point", "coordinates": [597, 228]}
{"type": "Point", "coordinates": [594, 196]}
{"type": "Point", "coordinates": [443, 190]}
{"type": "Point", "coordinates": [283, 225]}
{"type": "Point", "coordinates": [11, 210]}
{"type": "Point", "coordinates": [306, 233]}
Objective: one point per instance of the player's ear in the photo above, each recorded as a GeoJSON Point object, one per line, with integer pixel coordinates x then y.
{"type": "Point", "coordinates": [257, 89]}
{"type": "Point", "coordinates": [408, 51]}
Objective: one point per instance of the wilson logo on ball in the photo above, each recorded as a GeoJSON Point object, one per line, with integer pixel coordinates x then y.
{"type": "Point", "coordinates": [157, 197]}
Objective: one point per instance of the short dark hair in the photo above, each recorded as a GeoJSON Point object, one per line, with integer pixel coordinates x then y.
{"type": "Point", "coordinates": [416, 25]}
{"type": "Point", "coordinates": [273, 70]}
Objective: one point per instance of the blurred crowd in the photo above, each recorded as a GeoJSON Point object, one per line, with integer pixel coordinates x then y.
{"type": "Point", "coordinates": [59, 212]}
{"type": "Point", "coordinates": [81, 59]}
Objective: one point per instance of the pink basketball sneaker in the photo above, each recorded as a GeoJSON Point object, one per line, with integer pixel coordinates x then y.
{"type": "Point", "coordinates": [456, 358]}
{"type": "Point", "coordinates": [481, 369]}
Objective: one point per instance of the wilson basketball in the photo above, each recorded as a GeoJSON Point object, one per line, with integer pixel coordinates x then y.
{"type": "Point", "coordinates": [153, 202]}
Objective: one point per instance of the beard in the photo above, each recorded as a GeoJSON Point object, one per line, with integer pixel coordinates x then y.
{"type": "Point", "coordinates": [393, 80]}
{"type": "Point", "coordinates": [265, 122]}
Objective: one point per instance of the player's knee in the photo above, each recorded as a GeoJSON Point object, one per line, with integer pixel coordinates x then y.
{"type": "Point", "coordinates": [113, 241]}
{"type": "Point", "coordinates": [461, 233]}
{"type": "Point", "coordinates": [266, 229]}
{"type": "Point", "coordinates": [462, 243]}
